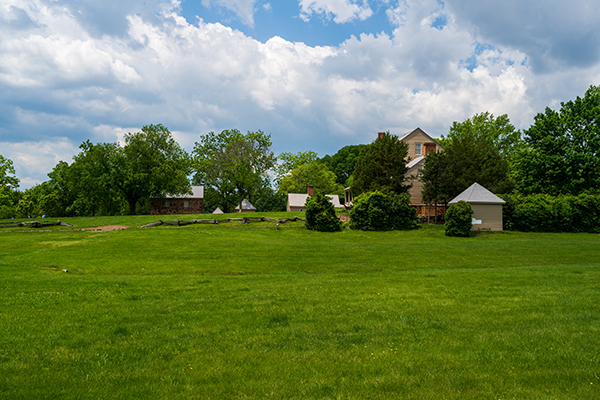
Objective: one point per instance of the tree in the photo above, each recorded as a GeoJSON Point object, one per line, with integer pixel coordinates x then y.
{"type": "Point", "coordinates": [382, 166]}
{"type": "Point", "coordinates": [316, 174]}
{"type": "Point", "coordinates": [476, 150]}
{"type": "Point", "coordinates": [8, 187]}
{"type": "Point", "coordinates": [561, 154]}
{"type": "Point", "coordinates": [151, 164]}
{"type": "Point", "coordinates": [7, 168]}
{"type": "Point", "coordinates": [437, 185]}
{"type": "Point", "coordinates": [343, 162]}
{"type": "Point", "coordinates": [497, 132]}
{"type": "Point", "coordinates": [233, 165]}
{"type": "Point", "coordinates": [287, 162]}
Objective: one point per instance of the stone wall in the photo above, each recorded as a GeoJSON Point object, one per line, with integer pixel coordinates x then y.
{"type": "Point", "coordinates": [176, 206]}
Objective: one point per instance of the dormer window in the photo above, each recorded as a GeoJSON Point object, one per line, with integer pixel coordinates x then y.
{"type": "Point", "coordinates": [418, 149]}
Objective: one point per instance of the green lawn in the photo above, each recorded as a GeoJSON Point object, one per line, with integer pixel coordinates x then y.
{"type": "Point", "coordinates": [246, 311]}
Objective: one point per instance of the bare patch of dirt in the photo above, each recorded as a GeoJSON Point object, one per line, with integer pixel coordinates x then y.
{"type": "Point", "coordinates": [107, 228]}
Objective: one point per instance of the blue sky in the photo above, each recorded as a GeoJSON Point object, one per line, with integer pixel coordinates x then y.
{"type": "Point", "coordinates": [315, 74]}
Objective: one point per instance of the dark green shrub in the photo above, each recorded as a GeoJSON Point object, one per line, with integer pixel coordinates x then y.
{"type": "Point", "coordinates": [458, 219]}
{"type": "Point", "coordinates": [320, 214]}
{"type": "Point", "coordinates": [376, 211]}
{"type": "Point", "coordinates": [545, 213]}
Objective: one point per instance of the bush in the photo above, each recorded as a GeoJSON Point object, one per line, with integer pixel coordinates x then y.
{"type": "Point", "coordinates": [458, 219]}
{"type": "Point", "coordinates": [320, 214]}
{"type": "Point", "coordinates": [376, 211]}
{"type": "Point", "coordinates": [545, 213]}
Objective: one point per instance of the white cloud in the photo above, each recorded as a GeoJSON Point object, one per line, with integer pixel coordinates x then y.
{"type": "Point", "coordinates": [59, 79]}
{"type": "Point", "coordinates": [341, 11]}
{"type": "Point", "coordinates": [33, 160]}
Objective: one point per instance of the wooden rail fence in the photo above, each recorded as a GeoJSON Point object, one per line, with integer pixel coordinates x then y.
{"type": "Point", "coordinates": [245, 220]}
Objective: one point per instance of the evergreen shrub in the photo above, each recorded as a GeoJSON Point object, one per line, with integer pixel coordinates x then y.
{"type": "Point", "coordinates": [458, 219]}
{"type": "Point", "coordinates": [546, 213]}
{"type": "Point", "coordinates": [377, 211]}
{"type": "Point", "coordinates": [320, 214]}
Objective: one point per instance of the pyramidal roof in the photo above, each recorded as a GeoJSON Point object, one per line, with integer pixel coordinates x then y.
{"type": "Point", "coordinates": [477, 194]}
{"type": "Point", "coordinates": [246, 205]}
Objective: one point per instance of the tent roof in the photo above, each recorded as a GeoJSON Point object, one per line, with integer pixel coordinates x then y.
{"type": "Point", "coordinates": [246, 205]}
{"type": "Point", "coordinates": [217, 211]}
{"type": "Point", "coordinates": [477, 194]}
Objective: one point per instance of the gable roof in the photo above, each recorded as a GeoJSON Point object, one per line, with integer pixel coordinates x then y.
{"type": "Point", "coordinates": [246, 205]}
{"type": "Point", "coordinates": [414, 162]}
{"type": "Point", "coordinates": [407, 135]}
{"type": "Point", "coordinates": [197, 193]}
{"type": "Point", "coordinates": [477, 194]}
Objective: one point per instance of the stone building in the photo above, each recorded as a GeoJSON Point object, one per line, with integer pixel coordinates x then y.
{"type": "Point", "coordinates": [179, 204]}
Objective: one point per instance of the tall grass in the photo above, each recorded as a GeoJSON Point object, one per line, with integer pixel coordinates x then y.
{"type": "Point", "coordinates": [248, 311]}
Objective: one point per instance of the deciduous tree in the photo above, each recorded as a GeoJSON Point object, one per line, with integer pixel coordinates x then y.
{"type": "Point", "coordinates": [233, 164]}
{"type": "Point", "coordinates": [343, 162]}
{"type": "Point", "coordinates": [151, 164]}
{"type": "Point", "coordinates": [562, 150]}
{"type": "Point", "coordinates": [315, 174]}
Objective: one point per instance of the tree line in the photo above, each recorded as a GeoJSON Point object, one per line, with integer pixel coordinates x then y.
{"type": "Point", "coordinates": [557, 155]}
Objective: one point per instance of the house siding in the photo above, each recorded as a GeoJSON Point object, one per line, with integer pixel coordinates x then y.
{"type": "Point", "coordinates": [490, 216]}
{"type": "Point", "coordinates": [418, 136]}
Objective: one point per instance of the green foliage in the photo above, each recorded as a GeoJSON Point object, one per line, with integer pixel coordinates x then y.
{"type": "Point", "coordinates": [320, 214]}
{"type": "Point", "coordinates": [6, 170]}
{"type": "Point", "coordinates": [476, 150]}
{"type": "Point", "coordinates": [266, 199]}
{"type": "Point", "coordinates": [376, 211]}
{"type": "Point", "coordinates": [151, 164]}
{"type": "Point", "coordinates": [496, 132]}
{"type": "Point", "coordinates": [343, 162]}
{"type": "Point", "coordinates": [562, 150]}
{"type": "Point", "coordinates": [316, 174]}
{"type": "Point", "coordinates": [437, 186]}
{"type": "Point", "coordinates": [8, 188]}
{"type": "Point", "coordinates": [459, 220]}
{"type": "Point", "coordinates": [287, 162]}
{"type": "Point", "coordinates": [546, 213]}
{"type": "Point", "coordinates": [233, 164]}
{"type": "Point", "coordinates": [382, 166]}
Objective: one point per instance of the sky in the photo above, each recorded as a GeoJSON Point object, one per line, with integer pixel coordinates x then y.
{"type": "Point", "coordinates": [315, 74]}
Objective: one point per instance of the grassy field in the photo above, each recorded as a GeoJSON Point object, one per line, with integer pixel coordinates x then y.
{"type": "Point", "coordinates": [236, 311]}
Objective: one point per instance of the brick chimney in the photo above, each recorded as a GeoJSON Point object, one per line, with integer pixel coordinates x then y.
{"type": "Point", "coordinates": [381, 134]}
{"type": "Point", "coordinates": [311, 189]}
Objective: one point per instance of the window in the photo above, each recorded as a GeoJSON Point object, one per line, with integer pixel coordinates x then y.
{"type": "Point", "coordinates": [186, 203]}
{"type": "Point", "coordinates": [418, 149]}
{"type": "Point", "coordinates": [420, 170]}
{"type": "Point", "coordinates": [167, 203]}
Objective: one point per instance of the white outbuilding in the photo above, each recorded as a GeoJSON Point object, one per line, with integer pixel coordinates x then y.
{"type": "Point", "coordinates": [487, 207]}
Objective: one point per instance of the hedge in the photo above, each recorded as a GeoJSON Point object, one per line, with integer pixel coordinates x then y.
{"type": "Point", "coordinates": [545, 213]}
{"type": "Point", "coordinates": [377, 211]}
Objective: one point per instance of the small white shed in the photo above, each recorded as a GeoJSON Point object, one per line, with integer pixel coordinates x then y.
{"type": "Point", "coordinates": [487, 207]}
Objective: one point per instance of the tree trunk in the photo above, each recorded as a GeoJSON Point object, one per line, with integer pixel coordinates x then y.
{"type": "Point", "coordinates": [132, 207]}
